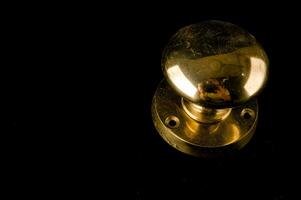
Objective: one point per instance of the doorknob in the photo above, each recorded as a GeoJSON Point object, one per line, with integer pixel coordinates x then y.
{"type": "Point", "coordinates": [205, 106]}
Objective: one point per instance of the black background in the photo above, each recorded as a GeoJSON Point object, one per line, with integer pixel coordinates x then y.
{"type": "Point", "coordinates": [86, 82]}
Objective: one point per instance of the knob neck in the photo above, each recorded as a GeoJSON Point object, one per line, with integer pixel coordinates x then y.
{"type": "Point", "coordinates": [203, 114]}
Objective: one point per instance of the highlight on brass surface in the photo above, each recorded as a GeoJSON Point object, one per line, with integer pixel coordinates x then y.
{"type": "Point", "coordinates": [206, 105]}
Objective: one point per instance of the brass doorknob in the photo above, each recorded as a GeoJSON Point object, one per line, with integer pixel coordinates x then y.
{"type": "Point", "coordinates": [206, 104]}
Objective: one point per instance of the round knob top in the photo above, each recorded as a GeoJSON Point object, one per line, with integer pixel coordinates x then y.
{"type": "Point", "coordinates": [215, 64]}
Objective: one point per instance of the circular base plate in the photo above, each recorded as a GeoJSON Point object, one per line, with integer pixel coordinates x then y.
{"type": "Point", "coordinates": [199, 139]}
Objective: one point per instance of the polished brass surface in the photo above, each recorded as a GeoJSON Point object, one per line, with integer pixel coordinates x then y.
{"type": "Point", "coordinates": [215, 63]}
{"type": "Point", "coordinates": [206, 105]}
{"type": "Point", "coordinates": [201, 139]}
{"type": "Point", "coordinates": [203, 114]}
